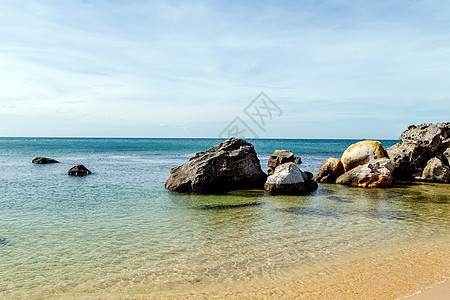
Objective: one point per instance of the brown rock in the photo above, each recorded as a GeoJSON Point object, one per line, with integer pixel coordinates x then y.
{"type": "Point", "coordinates": [231, 165]}
{"type": "Point", "coordinates": [79, 170]}
{"type": "Point", "coordinates": [329, 171]}
{"type": "Point", "coordinates": [280, 157]}
{"type": "Point", "coordinates": [377, 173]}
{"type": "Point", "coordinates": [409, 159]}
{"type": "Point", "coordinates": [432, 136]}
{"type": "Point", "coordinates": [44, 160]}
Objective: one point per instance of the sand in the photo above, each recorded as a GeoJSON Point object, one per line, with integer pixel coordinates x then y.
{"type": "Point", "coordinates": [399, 274]}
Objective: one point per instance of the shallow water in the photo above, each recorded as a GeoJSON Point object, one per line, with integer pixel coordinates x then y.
{"type": "Point", "coordinates": [119, 231]}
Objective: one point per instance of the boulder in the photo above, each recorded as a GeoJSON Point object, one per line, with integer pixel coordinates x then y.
{"type": "Point", "coordinates": [44, 160]}
{"type": "Point", "coordinates": [231, 165]}
{"type": "Point", "coordinates": [288, 179]}
{"type": "Point", "coordinates": [78, 170]}
{"type": "Point", "coordinates": [409, 159]}
{"type": "Point", "coordinates": [419, 145]}
{"type": "Point", "coordinates": [432, 136]}
{"type": "Point", "coordinates": [329, 171]}
{"type": "Point", "coordinates": [280, 157]}
{"type": "Point", "coordinates": [436, 171]}
{"type": "Point", "coordinates": [361, 153]}
{"type": "Point", "coordinates": [377, 173]}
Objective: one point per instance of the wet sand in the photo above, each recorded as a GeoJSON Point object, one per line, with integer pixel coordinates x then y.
{"type": "Point", "coordinates": [400, 274]}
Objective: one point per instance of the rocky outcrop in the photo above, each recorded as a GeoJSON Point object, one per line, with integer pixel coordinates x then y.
{"type": "Point", "coordinates": [280, 157]}
{"type": "Point", "coordinates": [436, 171]}
{"type": "Point", "coordinates": [361, 153]}
{"type": "Point", "coordinates": [231, 165]}
{"type": "Point", "coordinates": [288, 179]}
{"type": "Point", "coordinates": [376, 174]}
{"type": "Point", "coordinates": [329, 171]}
{"type": "Point", "coordinates": [44, 160]}
{"type": "Point", "coordinates": [420, 144]}
{"type": "Point", "coordinates": [78, 170]}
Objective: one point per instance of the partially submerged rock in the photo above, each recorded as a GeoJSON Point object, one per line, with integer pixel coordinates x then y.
{"type": "Point", "coordinates": [280, 157]}
{"type": "Point", "coordinates": [377, 173]}
{"type": "Point", "coordinates": [361, 153]}
{"type": "Point", "coordinates": [231, 165]}
{"type": "Point", "coordinates": [436, 171]}
{"type": "Point", "coordinates": [423, 153]}
{"type": "Point", "coordinates": [288, 179]}
{"type": "Point", "coordinates": [78, 170]}
{"type": "Point", "coordinates": [329, 171]}
{"type": "Point", "coordinates": [44, 160]}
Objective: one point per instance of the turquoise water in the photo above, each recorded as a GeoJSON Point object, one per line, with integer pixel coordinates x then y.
{"type": "Point", "coordinates": [119, 232]}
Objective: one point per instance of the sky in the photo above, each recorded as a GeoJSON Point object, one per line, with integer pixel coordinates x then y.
{"type": "Point", "coordinates": [335, 69]}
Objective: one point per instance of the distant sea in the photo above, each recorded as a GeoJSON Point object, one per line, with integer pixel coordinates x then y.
{"type": "Point", "coordinates": [120, 232]}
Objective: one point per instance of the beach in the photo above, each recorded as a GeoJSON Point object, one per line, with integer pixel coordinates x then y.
{"type": "Point", "coordinates": [419, 272]}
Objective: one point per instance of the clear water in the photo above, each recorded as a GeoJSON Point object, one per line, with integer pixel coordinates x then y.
{"type": "Point", "coordinates": [119, 232]}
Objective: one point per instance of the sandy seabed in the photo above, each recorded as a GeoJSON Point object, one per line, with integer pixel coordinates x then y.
{"type": "Point", "coordinates": [397, 274]}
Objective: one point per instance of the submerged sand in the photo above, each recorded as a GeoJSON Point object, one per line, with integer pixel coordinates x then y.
{"type": "Point", "coordinates": [395, 274]}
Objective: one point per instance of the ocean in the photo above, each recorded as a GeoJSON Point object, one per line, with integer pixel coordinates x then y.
{"type": "Point", "coordinates": [119, 232]}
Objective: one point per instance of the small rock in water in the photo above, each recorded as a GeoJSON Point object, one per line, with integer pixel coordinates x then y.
{"type": "Point", "coordinates": [79, 170]}
{"type": "Point", "coordinates": [288, 179]}
{"type": "Point", "coordinates": [44, 160]}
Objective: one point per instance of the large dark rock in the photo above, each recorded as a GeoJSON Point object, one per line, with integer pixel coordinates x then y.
{"type": "Point", "coordinates": [329, 171]}
{"type": "Point", "coordinates": [44, 160]}
{"type": "Point", "coordinates": [419, 145]}
{"type": "Point", "coordinates": [231, 165]}
{"type": "Point", "coordinates": [78, 170]}
{"type": "Point", "coordinates": [288, 179]}
{"type": "Point", "coordinates": [377, 173]}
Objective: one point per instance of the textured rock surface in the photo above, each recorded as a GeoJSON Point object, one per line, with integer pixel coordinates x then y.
{"type": "Point", "coordinates": [78, 170]}
{"type": "Point", "coordinates": [419, 145]}
{"type": "Point", "coordinates": [44, 160]}
{"type": "Point", "coordinates": [329, 171]}
{"type": "Point", "coordinates": [361, 153]}
{"type": "Point", "coordinates": [377, 173]}
{"type": "Point", "coordinates": [436, 171]}
{"type": "Point", "coordinates": [432, 136]}
{"type": "Point", "coordinates": [280, 157]}
{"type": "Point", "coordinates": [231, 165]}
{"type": "Point", "coordinates": [288, 179]}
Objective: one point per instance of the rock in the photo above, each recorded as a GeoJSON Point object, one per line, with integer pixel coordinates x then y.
{"type": "Point", "coordinates": [231, 165]}
{"type": "Point", "coordinates": [361, 153]}
{"type": "Point", "coordinates": [288, 179]}
{"type": "Point", "coordinates": [280, 157]}
{"type": "Point", "coordinates": [377, 173]}
{"type": "Point", "coordinates": [436, 171]}
{"type": "Point", "coordinates": [447, 154]}
{"type": "Point", "coordinates": [409, 159]}
{"type": "Point", "coordinates": [44, 160]}
{"type": "Point", "coordinates": [79, 170]}
{"type": "Point", "coordinates": [432, 136]}
{"type": "Point", "coordinates": [329, 171]}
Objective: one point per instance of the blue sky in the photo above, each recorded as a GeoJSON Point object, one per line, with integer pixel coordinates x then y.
{"type": "Point", "coordinates": [337, 69]}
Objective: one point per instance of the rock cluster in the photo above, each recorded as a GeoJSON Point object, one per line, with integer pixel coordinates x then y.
{"type": "Point", "coordinates": [280, 157]}
{"type": "Point", "coordinates": [44, 160]}
{"type": "Point", "coordinates": [423, 153]}
{"type": "Point", "coordinates": [78, 170]}
{"type": "Point", "coordinates": [231, 165]}
{"type": "Point", "coordinates": [288, 179]}
{"type": "Point", "coordinates": [363, 164]}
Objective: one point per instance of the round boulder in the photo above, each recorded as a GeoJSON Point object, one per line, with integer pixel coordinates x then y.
{"type": "Point", "coordinates": [288, 179]}
{"type": "Point", "coordinates": [329, 171]}
{"type": "Point", "coordinates": [361, 153]}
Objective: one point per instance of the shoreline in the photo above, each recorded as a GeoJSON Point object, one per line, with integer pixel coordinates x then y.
{"type": "Point", "coordinates": [410, 273]}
